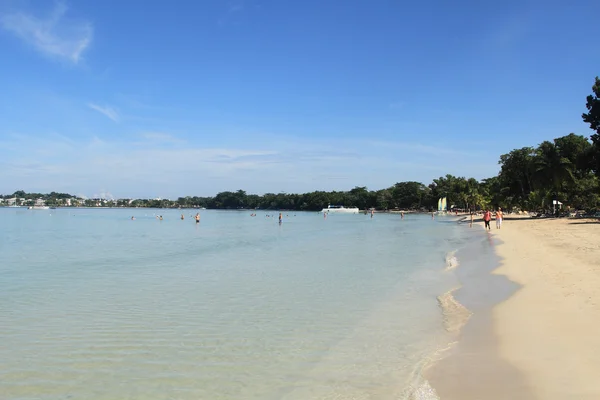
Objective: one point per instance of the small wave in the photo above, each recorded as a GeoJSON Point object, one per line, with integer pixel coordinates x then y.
{"type": "Point", "coordinates": [455, 315]}
{"type": "Point", "coordinates": [424, 392]}
{"type": "Point", "coordinates": [451, 260]}
{"type": "Point", "coordinates": [420, 390]}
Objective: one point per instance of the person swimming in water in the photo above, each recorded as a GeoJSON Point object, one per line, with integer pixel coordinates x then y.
{"type": "Point", "coordinates": [160, 217]}
{"type": "Point", "coordinates": [182, 217]}
{"type": "Point", "coordinates": [132, 218]}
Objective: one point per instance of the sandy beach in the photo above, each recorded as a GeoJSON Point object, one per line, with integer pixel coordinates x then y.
{"type": "Point", "coordinates": [542, 342]}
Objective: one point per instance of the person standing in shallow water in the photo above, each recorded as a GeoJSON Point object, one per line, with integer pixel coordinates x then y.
{"type": "Point", "coordinates": [487, 217]}
{"type": "Point", "coordinates": [197, 218]}
{"type": "Point", "coordinates": [280, 218]}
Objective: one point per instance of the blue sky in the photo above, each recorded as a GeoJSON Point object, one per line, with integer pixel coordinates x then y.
{"type": "Point", "coordinates": [152, 98]}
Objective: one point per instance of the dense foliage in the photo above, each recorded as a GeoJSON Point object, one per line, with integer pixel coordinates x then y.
{"type": "Point", "coordinates": [565, 169]}
{"type": "Point", "coordinates": [593, 118]}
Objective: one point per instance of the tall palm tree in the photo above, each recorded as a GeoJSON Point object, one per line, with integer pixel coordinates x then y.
{"type": "Point", "coordinates": [552, 170]}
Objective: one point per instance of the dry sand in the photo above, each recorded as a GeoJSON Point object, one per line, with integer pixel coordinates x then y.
{"type": "Point", "coordinates": [543, 342]}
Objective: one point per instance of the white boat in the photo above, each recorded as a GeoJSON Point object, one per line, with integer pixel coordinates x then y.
{"type": "Point", "coordinates": [38, 208]}
{"type": "Point", "coordinates": [340, 210]}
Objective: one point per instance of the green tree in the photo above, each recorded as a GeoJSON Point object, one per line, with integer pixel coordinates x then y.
{"type": "Point", "coordinates": [552, 169]}
{"type": "Point", "coordinates": [592, 117]}
{"type": "Point", "coordinates": [408, 194]}
{"type": "Point", "coordinates": [517, 171]}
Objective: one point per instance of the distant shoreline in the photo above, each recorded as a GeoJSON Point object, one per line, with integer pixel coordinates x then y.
{"type": "Point", "coordinates": [222, 209]}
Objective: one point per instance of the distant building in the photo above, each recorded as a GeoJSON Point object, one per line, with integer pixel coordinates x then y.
{"type": "Point", "coordinates": [68, 202]}
{"type": "Point", "coordinates": [40, 202]}
{"type": "Point", "coordinates": [12, 202]}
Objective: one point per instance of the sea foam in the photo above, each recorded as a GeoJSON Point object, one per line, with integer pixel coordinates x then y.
{"type": "Point", "coordinates": [451, 260]}
{"type": "Point", "coordinates": [455, 315]}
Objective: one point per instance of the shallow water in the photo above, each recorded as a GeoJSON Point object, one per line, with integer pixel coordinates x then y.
{"type": "Point", "coordinates": [94, 305]}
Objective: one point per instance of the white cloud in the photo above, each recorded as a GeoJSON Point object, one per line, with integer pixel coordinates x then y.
{"type": "Point", "coordinates": [52, 35]}
{"type": "Point", "coordinates": [106, 110]}
{"type": "Point", "coordinates": [159, 137]}
{"type": "Point", "coordinates": [419, 148]}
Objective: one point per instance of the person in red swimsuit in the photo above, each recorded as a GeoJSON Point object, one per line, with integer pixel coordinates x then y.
{"type": "Point", "coordinates": [487, 217]}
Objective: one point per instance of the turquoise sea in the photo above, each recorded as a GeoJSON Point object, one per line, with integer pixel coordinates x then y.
{"type": "Point", "coordinates": [94, 305]}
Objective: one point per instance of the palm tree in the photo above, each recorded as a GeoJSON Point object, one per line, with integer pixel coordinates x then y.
{"type": "Point", "coordinates": [552, 171]}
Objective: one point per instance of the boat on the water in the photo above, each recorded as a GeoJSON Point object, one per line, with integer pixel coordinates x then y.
{"type": "Point", "coordinates": [340, 210]}
{"type": "Point", "coordinates": [38, 208]}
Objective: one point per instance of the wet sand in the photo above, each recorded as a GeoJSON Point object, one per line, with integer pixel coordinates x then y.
{"type": "Point", "coordinates": [539, 337]}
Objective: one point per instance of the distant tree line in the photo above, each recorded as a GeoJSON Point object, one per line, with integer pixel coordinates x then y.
{"type": "Point", "coordinates": [565, 169]}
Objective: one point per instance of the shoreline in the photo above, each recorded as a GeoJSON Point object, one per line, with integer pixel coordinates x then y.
{"type": "Point", "coordinates": [534, 324]}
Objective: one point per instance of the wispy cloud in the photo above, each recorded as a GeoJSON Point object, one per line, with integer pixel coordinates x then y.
{"type": "Point", "coordinates": [396, 105]}
{"type": "Point", "coordinates": [157, 168]}
{"type": "Point", "coordinates": [236, 6]}
{"type": "Point", "coordinates": [419, 148]}
{"type": "Point", "coordinates": [233, 7]}
{"type": "Point", "coordinates": [106, 111]}
{"type": "Point", "coordinates": [160, 137]}
{"type": "Point", "coordinates": [52, 35]}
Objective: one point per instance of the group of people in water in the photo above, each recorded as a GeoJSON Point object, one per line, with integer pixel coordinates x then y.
{"type": "Point", "coordinates": [487, 217]}
{"type": "Point", "coordinates": [160, 217]}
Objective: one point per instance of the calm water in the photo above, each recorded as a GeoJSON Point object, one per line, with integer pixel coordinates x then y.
{"type": "Point", "coordinates": [94, 305]}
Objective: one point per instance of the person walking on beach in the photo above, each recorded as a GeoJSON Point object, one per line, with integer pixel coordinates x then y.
{"type": "Point", "coordinates": [471, 224]}
{"type": "Point", "coordinates": [487, 217]}
{"type": "Point", "coordinates": [499, 216]}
